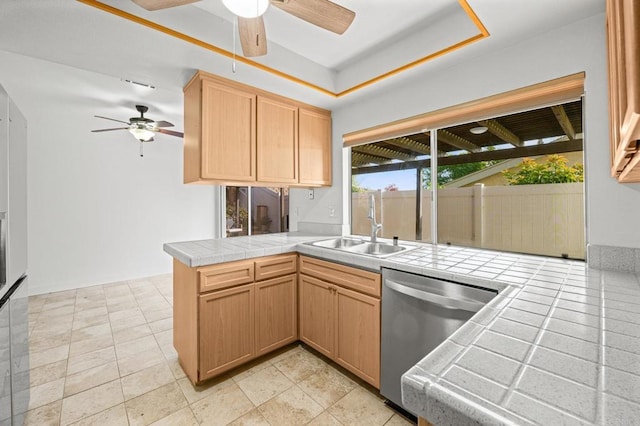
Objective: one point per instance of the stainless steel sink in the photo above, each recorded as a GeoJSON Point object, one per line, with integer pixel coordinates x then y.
{"type": "Point", "coordinates": [367, 248]}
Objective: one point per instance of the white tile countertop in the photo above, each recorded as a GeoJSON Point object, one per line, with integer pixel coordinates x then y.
{"type": "Point", "coordinates": [560, 344]}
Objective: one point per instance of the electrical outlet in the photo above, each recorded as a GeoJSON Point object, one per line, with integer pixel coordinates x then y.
{"type": "Point", "coordinates": [332, 211]}
{"type": "Point", "coordinates": [311, 194]}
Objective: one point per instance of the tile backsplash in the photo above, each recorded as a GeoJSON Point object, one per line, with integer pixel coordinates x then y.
{"type": "Point", "coordinates": [626, 259]}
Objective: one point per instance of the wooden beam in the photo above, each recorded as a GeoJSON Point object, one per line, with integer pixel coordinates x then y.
{"type": "Point", "coordinates": [457, 141]}
{"type": "Point", "coordinates": [502, 132]}
{"type": "Point", "coordinates": [405, 142]}
{"type": "Point", "coordinates": [358, 158]}
{"type": "Point", "coordinates": [383, 152]}
{"type": "Point", "coordinates": [563, 120]}
{"type": "Point", "coordinates": [500, 154]}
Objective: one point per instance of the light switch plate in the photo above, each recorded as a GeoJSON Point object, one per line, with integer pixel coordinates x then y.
{"type": "Point", "coordinates": [311, 194]}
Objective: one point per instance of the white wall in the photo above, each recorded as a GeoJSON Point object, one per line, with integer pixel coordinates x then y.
{"type": "Point", "coordinates": [612, 208]}
{"type": "Point", "coordinates": [98, 212]}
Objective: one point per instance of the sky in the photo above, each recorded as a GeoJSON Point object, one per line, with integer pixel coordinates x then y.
{"type": "Point", "coordinates": [404, 179]}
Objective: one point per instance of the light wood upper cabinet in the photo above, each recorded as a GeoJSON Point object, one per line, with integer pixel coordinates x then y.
{"type": "Point", "coordinates": [315, 147]}
{"type": "Point", "coordinates": [277, 141]}
{"type": "Point", "coordinates": [240, 135]}
{"type": "Point", "coordinates": [623, 34]}
{"type": "Point", "coordinates": [220, 141]}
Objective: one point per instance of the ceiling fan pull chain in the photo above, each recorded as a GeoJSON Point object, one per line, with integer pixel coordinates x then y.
{"type": "Point", "coordinates": [235, 30]}
{"type": "Point", "coordinates": [141, 149]}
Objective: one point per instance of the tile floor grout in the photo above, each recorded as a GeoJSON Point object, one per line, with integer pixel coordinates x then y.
{"type": "Point", "coordinates": [146, 385]}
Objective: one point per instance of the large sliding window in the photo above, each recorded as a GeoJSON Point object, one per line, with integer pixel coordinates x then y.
{"type": "Point", "coordinates": [512, 182]}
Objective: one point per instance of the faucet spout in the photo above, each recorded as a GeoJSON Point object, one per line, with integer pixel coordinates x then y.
{"type": "Point", "coordinates": [375, 227]}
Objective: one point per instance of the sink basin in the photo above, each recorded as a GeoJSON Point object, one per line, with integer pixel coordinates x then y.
{"type": "Point", "coordinates": [338, 243]}
{"type": "Point", "coordinates": [351, 245]}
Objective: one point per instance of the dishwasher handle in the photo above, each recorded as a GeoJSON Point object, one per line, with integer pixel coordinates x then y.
{"type": "Point", "coordinates": [444, 301]}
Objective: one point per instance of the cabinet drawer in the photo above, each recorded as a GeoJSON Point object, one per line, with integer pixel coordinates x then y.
{"type": "Point", "coordinates": [353, 278]}
{"type": "Point", "coordinates": [216, 277]}
{"type": "Point", "coordinates": [276, 266]}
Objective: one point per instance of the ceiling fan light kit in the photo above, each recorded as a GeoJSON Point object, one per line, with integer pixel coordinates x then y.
{"type": "Point", "coordinates": [141, 133]}
{"type": "Point", "coordinates": [247, 8]}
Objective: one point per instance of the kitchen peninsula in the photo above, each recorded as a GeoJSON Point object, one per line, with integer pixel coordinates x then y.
{"type": "Point", "coordinates": [558, 345]}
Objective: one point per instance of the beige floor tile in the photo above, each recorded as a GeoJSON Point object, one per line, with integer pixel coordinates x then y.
{"type": "Point", "coordinates": [88, 321]}
{"type": "Point", "coordinates": [127, 313]}
{"type": "Point", "coordinates": [146, 380]}
{"type": "Point", "coordinates": [361, 407]}
{"type": "Point", "coordinates": [83, 305]}
{"type": "Point", "coordinates": [38, 359]}
{"type": "Point", "coordinates": [91, 344]}
{"type": "Point", "coordinates": [47, 373]}
{"type": "Point", "coordinates": [286, 353]}
{"type": "Point", "coordinates": [300, 365]}
{"type": "Point", "coordinates": [35, 305]}
{"type": "Point", "coordinates": [176, 368]}
{"type": "Point", "coordinates": [121, 304]}
{"type": "Point", "coordinates": [132, 321]}
{"type": "Point", "coordinates": [158, 314]}
{"type": "Point", "coordinates": [161, 325]}
{"type": "Point", "coordinates": [292, 407]}
{"type": "Point", "coordinates": [90, 402]}
{"type": "Point", "coordinates": [45, 393]}
{"type": "Point", "coordinates": [140, 361]}
{"type": "Point", "coordinates": [325, 419]}
{"type": "Point", "coordinates": [55, 309]}
{"type": "Point", "coordinates": [183, 417]}
{"type": "Point", "coordinates": [250, 369]}
{"type": "Point", "coordinates": [252, 418]}
{"type": "Point", "coordinates": [164, 337]}
{"type": "Point", "coordinates": [40, 341]}
{"type": "Point", "coordinates": [91, 332]}
{"type": "Point", "coordinates": [327, 386]}
{"type": "Point", "coordinates": [129, 334]}
{"type": "Point", "coordinates": [155, 405]}
{"type": "Point", "coordinates": [114, 416]}
{"type": "Point", "coordinates": [222, 407]}
{"type": "Point", "coordinates": [90, 378]}
{"type": "Point", "coordinates": [196, 393]}
{"type": "Point", "coordinates": [90, 360]}
{"type": "Point", "coordinates": [91, 312]}
{"type": "Point", "coordinates": [125, 350]}
{"type": "Point", "coordinates": [56, 326]}
{"type": "Point", "coordinates": [169, 351]}
{"type": "Point", "coordinates": [264, 385]}
{"type": "Point", "coordinates": [398, 420]}
{"type": "Point", "coordinates": [47, 415]}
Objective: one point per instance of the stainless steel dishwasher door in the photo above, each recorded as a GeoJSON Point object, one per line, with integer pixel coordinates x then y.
{"type": "Point", "coordinates": [419, 313]}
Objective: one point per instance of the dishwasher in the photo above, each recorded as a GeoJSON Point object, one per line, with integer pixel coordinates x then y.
{"type": "Point", "coordinates": [419, 313]}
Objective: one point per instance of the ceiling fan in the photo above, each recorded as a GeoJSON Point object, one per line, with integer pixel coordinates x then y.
{"type": "Point", "coordinates": [142, 128]}
{"type": "Point", "coordinates": [322, 13]}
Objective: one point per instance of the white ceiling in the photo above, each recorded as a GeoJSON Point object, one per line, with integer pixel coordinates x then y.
{"type": "Point", "coordinates": [383, 36]}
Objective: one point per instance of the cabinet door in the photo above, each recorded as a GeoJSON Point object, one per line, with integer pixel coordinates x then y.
{"type": "Point", "coordinates": [357, 340]}
{"type": "Point", "coordinates": [316, 314]}
{"type": "Point", "coordinates": [315, 147]}
{"type": "Point", "coordinates": [227, 330]}
{"type": "Point", "coordinates": [228, 133]}
{"type": "Point", "coordinates": [276, 313]}
{"type": "Point", "coordinates": [277, 141]}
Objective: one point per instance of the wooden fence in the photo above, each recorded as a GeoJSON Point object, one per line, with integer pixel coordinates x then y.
{"type": "Point", "coordinates": [538, 219]}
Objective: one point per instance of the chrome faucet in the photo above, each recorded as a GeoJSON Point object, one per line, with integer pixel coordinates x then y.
{"type": "Point", "coordinates": [375, 227]}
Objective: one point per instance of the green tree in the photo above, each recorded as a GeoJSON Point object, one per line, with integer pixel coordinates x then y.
{"type": "Point", "coordinates": [355, 185]}
{"type": "Point", "coordinates": [448, 174]}
{"type": "Point", "coordinates": [554, 170]}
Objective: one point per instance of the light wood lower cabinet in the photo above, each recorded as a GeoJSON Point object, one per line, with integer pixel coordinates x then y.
{"type": "Point", "coordinates": [276, 313]}
{"type": "Point", "coordinates": [225, 315]}
{"type": "Point", "coordinates": [339, 322]}
{"type": "Point", "coordinates": [227, 324]}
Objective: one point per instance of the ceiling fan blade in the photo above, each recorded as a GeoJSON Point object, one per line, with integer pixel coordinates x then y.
{"type": "Point", "coordinates": [253, 37]}
{"type": "Point", "coordinates": [161, 4]}
{"type": "Point", "coordinates": [322, 13]}
{"type": "Point", "coordinates": [163, 123]}
{"type": "Point", "coordinates": [171, 132]}
{"type": "Point", "coordinates": [112, 119]}
{"type": "Point", "coordinates": [108, 130]}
